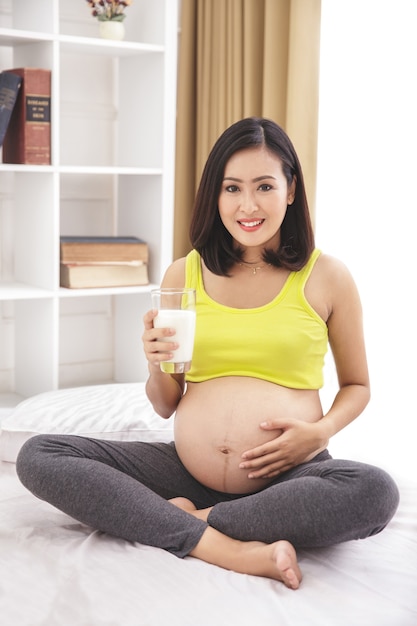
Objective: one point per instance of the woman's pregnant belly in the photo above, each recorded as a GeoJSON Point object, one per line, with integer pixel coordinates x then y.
{"type": "Point", "coordinates": [217, 420]}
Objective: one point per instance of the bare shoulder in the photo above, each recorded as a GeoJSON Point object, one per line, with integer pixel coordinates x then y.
{"type": "Point", "coordinates": [330, 286]}
{"type": "Point", "coordinates": [175, 274]}
{"type": "Point", "coordinates": [332, 270]}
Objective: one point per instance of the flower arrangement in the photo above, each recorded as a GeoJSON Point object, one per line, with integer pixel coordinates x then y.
{"type": "Point", "coordinates": [109, 10]}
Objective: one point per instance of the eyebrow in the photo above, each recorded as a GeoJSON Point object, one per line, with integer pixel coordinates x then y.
{"type": "Point", "coordinates": [254, 180]}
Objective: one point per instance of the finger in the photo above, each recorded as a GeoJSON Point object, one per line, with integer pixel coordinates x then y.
{"type": "Point", "coordinates": [264, 449]}
{"type": "Point", "coordinates": [265, 472]}
{"type": "Point", "coordinates": [260, 461]}
{"type": "Point", "coordinates": [148, 318]}
{"type": "Point", "coordinates": [262, 475]}
{"type": "Point", "coordinates": [153, 335]}
{"type": "Point", "coordinates": [270, 471]}
{"type": "Point", "coordinates": [277, 424]}
{"type": "Point", "coordinates": [156, 346]}
{"type": "Point", "coordinates": [162, 350]}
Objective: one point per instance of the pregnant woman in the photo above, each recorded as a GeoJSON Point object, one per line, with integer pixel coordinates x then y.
{"type": "Point", "coordinates": [248, 479]}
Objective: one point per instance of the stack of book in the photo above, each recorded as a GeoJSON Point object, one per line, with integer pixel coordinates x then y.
{"type": "Point", "coordinates": [87, 262]}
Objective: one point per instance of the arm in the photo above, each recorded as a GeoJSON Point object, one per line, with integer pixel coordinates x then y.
{"type": "Point", "coordinates": [334, 296]}
{"type": "Point", "coordinates": [348, 347]}
{"type": "Point", "coordinates": [163, 390]}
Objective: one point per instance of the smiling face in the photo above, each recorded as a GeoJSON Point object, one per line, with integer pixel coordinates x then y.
{"type": "Point", "coordinates": [253, 199]}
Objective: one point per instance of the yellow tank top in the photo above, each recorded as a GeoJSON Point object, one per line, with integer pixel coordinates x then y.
{"type": "Point", "coordinates": [283, 342]}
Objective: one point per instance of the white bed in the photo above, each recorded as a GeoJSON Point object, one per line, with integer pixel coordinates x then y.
{"type": "Point", "coordinates": [57, 572]}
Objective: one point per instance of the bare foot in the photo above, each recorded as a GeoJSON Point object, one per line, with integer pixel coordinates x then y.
{"type": "Point", "coordinates": [285, 558]}
{"type": "Point", "coordinates": [276, 560]}
{"type": "Point", "coordinates": [183, 503]}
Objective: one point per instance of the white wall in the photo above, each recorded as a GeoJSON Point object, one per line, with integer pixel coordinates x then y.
{"type": "Point", "coordinates": [367, 206]}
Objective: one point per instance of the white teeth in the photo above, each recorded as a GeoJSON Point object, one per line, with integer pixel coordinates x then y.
{"type": "Point", "coordinates": [252, 224]}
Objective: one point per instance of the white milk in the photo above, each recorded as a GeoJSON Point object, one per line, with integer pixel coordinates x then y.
{"type": "Point", "coordinates": [183, 321]}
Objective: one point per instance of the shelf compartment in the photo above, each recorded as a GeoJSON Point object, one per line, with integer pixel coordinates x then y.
{"type": "Point", "coordinates": [108, 103]}
{"type": "Point", "coordinates": [36, 354]}
{"type": "Point", "coordinates": [39, 16]}
{"type": "Point", "coordinates": [86, 344]}
{"type": "Point", "coordinates": [130, 364]}
{"type": "Point", "coordinates": [113, 351]}
{"type": "Point", "coordinates": [145, 21]}
{"type": "Point", "coordinates": [29, 230]}
{"type": "Point", "coordinates": [35, 230]}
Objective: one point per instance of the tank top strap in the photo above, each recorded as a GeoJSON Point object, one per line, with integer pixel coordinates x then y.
{"type": "Point", "coordinates": [302, 275]}
{"type": "Point", "coordinates": [193, 276]}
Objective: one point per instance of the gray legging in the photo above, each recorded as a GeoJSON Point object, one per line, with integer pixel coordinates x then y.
{"type": "Point", "coordinates": [122, 488]}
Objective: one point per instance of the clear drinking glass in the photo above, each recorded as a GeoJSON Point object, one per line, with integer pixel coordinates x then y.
{"type": "Point", "coordinates": [176, 309]}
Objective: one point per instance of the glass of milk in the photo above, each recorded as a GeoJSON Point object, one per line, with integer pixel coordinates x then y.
{"type": "Point", "coordinates": [176, 309]}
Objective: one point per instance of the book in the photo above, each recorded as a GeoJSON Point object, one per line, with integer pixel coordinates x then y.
{"type": "Point", "coordinates": [95, 249]}
{"type": "Point", "coordinates": [9, 88]}
{"type": "Point", "coordinates": [101, 274]}
{"type": "Point", "coordinates": [28, 136]}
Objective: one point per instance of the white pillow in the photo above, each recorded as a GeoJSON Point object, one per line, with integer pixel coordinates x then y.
{"type": "Point", "coordinates": [118, 411]}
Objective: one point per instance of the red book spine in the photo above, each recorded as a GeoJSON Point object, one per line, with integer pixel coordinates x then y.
{"type": "Point", "coordinates": [28, 136]}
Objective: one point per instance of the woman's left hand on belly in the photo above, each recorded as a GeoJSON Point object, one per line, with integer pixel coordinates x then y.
{"type": "Point", "coordinates": [296, 441]}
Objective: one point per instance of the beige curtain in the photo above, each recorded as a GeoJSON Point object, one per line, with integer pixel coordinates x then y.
{"type": "Point", "coordinates": [239, 58]}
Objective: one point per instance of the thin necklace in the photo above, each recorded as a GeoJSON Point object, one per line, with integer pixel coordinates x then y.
{"type": "Point", "coordinates": [253, 266]}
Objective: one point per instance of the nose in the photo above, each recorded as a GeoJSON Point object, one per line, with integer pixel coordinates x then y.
{"type": "Point", "coordinates": [249, 204]}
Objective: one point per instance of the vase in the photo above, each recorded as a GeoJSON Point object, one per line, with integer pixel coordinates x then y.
{"type": "Point", "coordinates": [110, 29]}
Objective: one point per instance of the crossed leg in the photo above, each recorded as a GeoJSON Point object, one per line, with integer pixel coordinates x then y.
{"type": "Point", "coordinates": [277, 560]}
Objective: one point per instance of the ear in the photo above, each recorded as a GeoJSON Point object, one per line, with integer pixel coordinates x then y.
{"type": "Point", "coordinates": [291, 191]}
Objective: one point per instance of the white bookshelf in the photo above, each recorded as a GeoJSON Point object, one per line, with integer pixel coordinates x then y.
{"type": "Point", "coordinates": [113, 110]}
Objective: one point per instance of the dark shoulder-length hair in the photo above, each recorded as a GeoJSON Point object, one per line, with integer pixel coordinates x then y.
{"type": "Point", "coordinates": [209, 236]}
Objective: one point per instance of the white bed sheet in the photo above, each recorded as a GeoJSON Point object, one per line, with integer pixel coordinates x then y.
{"type": "Point", "coordinates": [57, 572]}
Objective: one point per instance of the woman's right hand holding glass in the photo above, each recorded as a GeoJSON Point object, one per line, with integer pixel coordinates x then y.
{"type": "Point", "coordinates": [155, 344]}
{"type": "Point", "coordinates": [164, 390]}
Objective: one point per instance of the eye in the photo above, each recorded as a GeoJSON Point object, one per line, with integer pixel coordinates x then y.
{"type": "Point", "coordinates": [232, 188]}
{"type": "Point", "coordinates": [265, 187]}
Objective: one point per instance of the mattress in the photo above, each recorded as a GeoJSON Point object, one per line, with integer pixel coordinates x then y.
{"type": "Point", "coordinates": [55, 571]}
